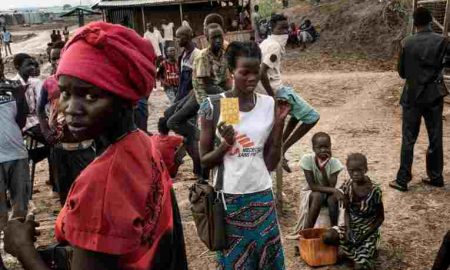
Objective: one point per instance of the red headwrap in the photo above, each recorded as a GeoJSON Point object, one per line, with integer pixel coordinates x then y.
{"type": "Point", "coordinates": [111, 57]}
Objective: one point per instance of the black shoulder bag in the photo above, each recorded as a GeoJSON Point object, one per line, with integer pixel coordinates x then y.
{"type": "Point", "coordinates": [207, 202]}
{"type": "Point", "coordinates": [56, 256]}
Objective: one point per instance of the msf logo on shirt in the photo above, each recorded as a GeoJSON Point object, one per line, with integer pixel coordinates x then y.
{"type": "Point", "coordinates": [244, 147]}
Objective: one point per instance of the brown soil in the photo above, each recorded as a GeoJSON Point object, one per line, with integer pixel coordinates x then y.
{"type": "Point", "coordinates": [368, 27]}
{"type": "Point", "coordinates": [359, 110]}
{"type": "Point", "coordinates": [358, 102]}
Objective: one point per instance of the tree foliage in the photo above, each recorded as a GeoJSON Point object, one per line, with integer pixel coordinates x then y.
{"type": "Point", "coordinates": [267, 7]}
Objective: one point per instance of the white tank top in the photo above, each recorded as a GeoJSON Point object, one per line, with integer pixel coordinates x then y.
{"type": "Point", "coordinates": [244, 168]}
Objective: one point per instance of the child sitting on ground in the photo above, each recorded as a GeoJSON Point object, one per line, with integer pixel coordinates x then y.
{"type": "Point", "coordinates": [321, 172]}
{"type": "Point", "coordinates": [169, 146]}
{"type": "Point", "coordinates": [364, 214]}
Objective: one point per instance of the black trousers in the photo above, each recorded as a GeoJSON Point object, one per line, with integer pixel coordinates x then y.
{"type": "Point", "coordinates": [181, 119]}
{"type": "Point", "coordinates": [67, 166]}
{"type": "Point", "coordinates": [442, 261]}
{"type": "Point", "coordinates": [412, 117]}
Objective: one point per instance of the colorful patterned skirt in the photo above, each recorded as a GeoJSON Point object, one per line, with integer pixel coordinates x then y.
{"type": "Point", "coordinates": [252, 232]}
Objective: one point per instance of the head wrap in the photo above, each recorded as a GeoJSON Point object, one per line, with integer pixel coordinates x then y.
{"type": "Point", "coordinates": [111, 57]}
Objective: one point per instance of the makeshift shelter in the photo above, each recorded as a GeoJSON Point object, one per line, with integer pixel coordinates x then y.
{"type": "Point", "coordinates": [136, 13]}
{"type": "Point", "coordinates": [80, 12]}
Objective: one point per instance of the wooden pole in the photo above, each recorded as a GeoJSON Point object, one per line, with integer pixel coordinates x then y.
{"type": "Point", "coordinates": [439, 25]}
{"type": "Point", "coordinates": [143, 19]}
{"type": "Point", "coordinates": [447, 11]}
{"type": "Point", "coordinates": [279, 186]}
{"type": "Point", "coordinates": [181, 14]}
{"type": "Point", "coordinates": [414, 7]}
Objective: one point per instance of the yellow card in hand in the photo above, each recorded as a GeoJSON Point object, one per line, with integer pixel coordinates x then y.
{"type": "Point", "coordinates": [229, 110]}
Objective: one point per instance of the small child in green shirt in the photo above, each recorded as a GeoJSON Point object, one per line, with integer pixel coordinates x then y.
{"type": "Point", "coordinates": [321, 173]}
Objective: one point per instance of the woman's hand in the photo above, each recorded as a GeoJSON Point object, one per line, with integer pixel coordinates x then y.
{"type": "Point", "coordinates": [227, 132]}
{"type": "Point", "coordinates": [282, 109]}
{"type": "Point", "coordinates": [20, 233]}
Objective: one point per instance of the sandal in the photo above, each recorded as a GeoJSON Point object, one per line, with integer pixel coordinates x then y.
{"type": "Point", "coordinates": [285, 165]}
{"type": "Point", "coordinates": [395, 185]}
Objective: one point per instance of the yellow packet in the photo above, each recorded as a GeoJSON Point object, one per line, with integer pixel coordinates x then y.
{"type": "Point", "coordinates": [229, 110]}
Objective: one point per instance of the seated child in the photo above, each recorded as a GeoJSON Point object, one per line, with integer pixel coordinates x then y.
{"type": "Point", "coordinates": [321, 172]}
{"type": "Point", "coordinates": [364, 214]}
{"type": "Point", "coordinates": [168, 146]}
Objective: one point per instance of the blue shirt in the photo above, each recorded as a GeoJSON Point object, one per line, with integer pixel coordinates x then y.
{"type": "Point", "coordinates": [12, 146]}
{"type": "Point", "coordinates": [6, 36]}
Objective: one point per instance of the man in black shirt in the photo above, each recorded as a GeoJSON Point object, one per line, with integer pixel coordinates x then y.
{"type": "Point", "coordinates": [422, 59]}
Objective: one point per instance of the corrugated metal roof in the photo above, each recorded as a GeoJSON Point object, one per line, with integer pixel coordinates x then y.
{"type": "Point", "coordinates": [74, 11]}
{"type": "Point", "coordinates": [138, 3]}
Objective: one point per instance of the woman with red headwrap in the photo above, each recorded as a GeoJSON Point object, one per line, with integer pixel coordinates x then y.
{"type": "Point", "coordinates": [121, 212]}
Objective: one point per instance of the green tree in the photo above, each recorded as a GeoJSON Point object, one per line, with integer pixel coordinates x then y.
{"type": "Point", "coordinates": [67, 6]}
{"type": "Point", "coordinates": [267, 7]}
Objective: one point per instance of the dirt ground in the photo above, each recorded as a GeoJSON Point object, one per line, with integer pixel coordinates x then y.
{"type": "Point", "coordinates": [358, 103]}
{"type": "Point", "coordinates": [359, 110]}
{"type": "Point", "coordinates": [372, 28]}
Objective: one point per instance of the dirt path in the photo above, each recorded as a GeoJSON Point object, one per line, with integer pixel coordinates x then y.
{"type": "Point", "coordinates": [38, 43]}
{"type": "Point", "coordinates": [360, 112]}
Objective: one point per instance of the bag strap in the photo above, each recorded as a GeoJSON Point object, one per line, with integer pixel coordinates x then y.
{"type": "Point", "coordinates": [215, 102]}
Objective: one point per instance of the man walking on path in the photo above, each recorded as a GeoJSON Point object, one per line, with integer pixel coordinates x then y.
{"type": "Point", "coordinates": [422, 59]}
{"type": "Point", "coordinates": [6, 40]}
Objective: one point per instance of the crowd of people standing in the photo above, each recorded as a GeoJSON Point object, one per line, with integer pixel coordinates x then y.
{"type": "Point", "coordinates": [114, 178]}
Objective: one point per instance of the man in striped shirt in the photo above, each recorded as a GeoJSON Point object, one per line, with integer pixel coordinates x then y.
{"type": "Point", "coordinates": [169, 74]}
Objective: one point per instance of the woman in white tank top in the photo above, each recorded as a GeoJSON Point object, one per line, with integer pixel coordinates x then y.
{"type": "Point", "coordinates": [248, 151]}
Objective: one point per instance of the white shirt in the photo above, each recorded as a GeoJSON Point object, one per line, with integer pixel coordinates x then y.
{"type": "Point", "coordinates": [187, 61]}
{"type": "Point", "coordinates": [268, 48]}
{"type": "Point", "coordinates": [244, 168]}
{"type": "Point", "coordinates": [168, 31]}
{"type": "Point", "coordinates": [155, 38]}
{"type": "Point", "coordinates": [255, 20]}
{"type": "Point", "coordinates": [32, 95]}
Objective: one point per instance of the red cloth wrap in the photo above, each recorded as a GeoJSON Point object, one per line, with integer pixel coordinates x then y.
{"type": "Point", "coordinates": [111, 57]}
